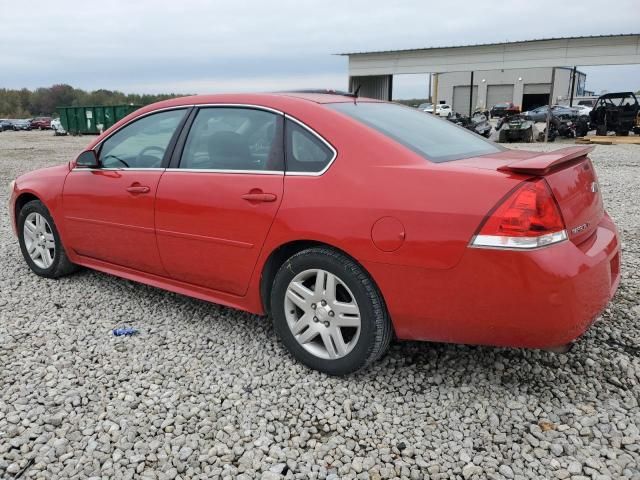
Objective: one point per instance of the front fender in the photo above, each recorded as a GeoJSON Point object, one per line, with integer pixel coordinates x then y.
{"type": "Point", "coordinates": [46, 185]}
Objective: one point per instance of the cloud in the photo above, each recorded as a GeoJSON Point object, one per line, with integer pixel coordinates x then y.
{"type": "Point", "coordinates": [257, 44]}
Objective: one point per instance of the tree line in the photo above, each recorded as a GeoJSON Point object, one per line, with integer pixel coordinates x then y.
{"type": "Point", "coordinates": [25, 103]}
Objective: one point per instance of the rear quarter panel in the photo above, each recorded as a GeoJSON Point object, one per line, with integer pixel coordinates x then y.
{"type": "Point", "coordinates": [439, 205]}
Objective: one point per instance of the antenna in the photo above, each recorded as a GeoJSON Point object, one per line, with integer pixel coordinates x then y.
{"type": "Point", "coordinates": [355, 94]}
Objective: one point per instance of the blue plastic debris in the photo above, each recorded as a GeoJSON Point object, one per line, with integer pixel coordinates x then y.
{"type": "Point", "coordinates": [125, 331]}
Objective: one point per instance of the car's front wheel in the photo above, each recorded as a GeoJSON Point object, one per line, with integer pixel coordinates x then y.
{"type": "Point", "coordinates": [40, 242]}
{"type": "Point", "coordinates": [328, 312]}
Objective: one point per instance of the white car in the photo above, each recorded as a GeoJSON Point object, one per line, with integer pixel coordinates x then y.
{"type": "Point", "coordinates": [442, 110]}
{"type": "Point", "coordinates": [582, 109]}
{"type": "Point", "coordinates": [57, 128]}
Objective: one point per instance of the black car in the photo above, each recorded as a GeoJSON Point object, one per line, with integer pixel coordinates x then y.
{"type": "Point", "coordinates": [5, 125]}
{"type": "Point", "coordinates": [21, 124]}
{"type": "Point", "coordinates": [503, 109]}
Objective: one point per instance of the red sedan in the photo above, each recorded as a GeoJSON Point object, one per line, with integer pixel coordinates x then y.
{"type": "Point", "coordinates": [350, 221]}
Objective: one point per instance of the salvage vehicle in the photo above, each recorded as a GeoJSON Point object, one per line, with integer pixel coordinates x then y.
{"type": "Point", "coordinates": [515, 128]}
{"type": "Point", "coordinates": [259, 202]}
{"type": "Point", "coordinates": [5, 125]}
{"type": "Point", "coordinates": [540, 114]}
{"type": "Point", "coordinates": [478, 123]}
{"type": "Point", "coordinates": [41, 123]}
{"type": "Point", "coordinates": [21, 125]}
{"type": "Point", "coordinates": [615, 112]}
{"type": "Point", "coordinates": [56, 126]}
{"type": "Point", "coordinates": [442, 110]}
{"type": "Point", "coordinates": [503, 109]}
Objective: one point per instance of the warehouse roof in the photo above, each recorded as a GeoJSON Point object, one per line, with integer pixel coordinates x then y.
{"type": "Point", "coordinates": [489, 44]}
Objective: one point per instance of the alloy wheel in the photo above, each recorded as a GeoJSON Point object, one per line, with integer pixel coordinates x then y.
{"type": "Point", "coordinates": [39, 240]}
{"type": "Point", "coordinates": [322, 314]}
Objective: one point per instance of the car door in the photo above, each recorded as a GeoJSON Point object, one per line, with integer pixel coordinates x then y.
{"type": "Point", "coordinates": [109, 211]}
{"type": "Point", "coordinates": [215, 206]}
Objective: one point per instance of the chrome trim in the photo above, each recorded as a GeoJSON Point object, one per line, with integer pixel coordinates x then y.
{"type": "Point", "coordinates": [115, 169]}
{"type": "Point", "coordinates": [242, 105]}
{"type": "Point", "coordinates": [322, 139]}
{"type": "Point", "coordinates": [218, 170]}
{"type": "Point", "coordinates": [146, 114]}
{"type": "Point", "coordinates": [518, 243]}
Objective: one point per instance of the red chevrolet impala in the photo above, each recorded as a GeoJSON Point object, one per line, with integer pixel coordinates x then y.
{"type": "Point", "coordinates": [348, 220]}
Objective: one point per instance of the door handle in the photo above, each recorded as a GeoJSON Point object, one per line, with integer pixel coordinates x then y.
{"type": "Point", "coordinates": [259, 197]}
{"type": "Point", "coordinates": [138, 189]}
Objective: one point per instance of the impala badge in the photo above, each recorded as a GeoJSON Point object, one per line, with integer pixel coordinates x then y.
{"type": "Point", "coordinates": [580, 228]}
{"type": "Point", "coordinates": [594, 187]}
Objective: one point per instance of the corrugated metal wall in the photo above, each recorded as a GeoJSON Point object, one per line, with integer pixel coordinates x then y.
{"type": "Point", "coordinates": [461, 99]}
{"type": "Point", "coordinates": [373, 86]}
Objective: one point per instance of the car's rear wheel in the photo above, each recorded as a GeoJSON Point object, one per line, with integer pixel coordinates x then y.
{"type": "Point", "coordinates": [40, 242]}
{"type": "Point", "coordinates": [328, 312]}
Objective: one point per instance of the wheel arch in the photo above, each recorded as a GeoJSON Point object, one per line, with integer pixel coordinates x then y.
{"type": "Point", "coordinates": [280, 254]}
{"type": "Point", "coordinates": [21, 201]}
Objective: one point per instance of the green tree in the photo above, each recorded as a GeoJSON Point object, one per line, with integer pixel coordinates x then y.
{"type": "Point", "coordinates": [26, 103]}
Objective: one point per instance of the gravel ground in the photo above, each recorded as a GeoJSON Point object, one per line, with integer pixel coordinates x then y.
{"type": "Point", "coordinates": [207, 392]}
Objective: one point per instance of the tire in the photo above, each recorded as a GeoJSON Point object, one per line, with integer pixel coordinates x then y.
{"type": "Point", "coordinates": [622, 133]}
{"type": "Point", "coordinates": [601, 131]}
{"type": "Point", "coordinates": [361, 344]}
{"type": "Point", "coordinates": [56, 265]}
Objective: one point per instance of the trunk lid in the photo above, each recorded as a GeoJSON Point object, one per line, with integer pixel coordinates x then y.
{"type": "Point", "coordinates": [569, 173]}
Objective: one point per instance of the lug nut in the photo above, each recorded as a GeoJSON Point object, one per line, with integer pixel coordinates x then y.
{"type": "Point", "coordinates": [331, 313]}
{"type": "Point", "coordinates": [323, 303]}
{"type": "Point", "coordinates": [326, 324]}
{"type": "Point", "coordinates": [315, 319]}
{"type": "Point", "coordinates": [313, 306]}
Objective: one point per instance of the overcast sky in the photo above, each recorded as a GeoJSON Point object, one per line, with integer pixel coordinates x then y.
{"type": "Point", "coordinates": [259, 45]}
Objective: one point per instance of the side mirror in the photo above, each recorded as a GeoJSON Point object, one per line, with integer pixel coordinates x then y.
{"type": "Point", "coordinates": [88, 159]}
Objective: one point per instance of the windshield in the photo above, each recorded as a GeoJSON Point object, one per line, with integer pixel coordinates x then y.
{"type": "Point", "coordinates": [435, 139]}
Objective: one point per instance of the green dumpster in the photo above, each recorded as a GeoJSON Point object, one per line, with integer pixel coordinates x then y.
{"type": "Point", "coordinates": [92, 119]}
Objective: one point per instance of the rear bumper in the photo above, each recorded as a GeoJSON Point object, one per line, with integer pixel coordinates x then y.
{"type": "Point", "coordinates": [536, 299]}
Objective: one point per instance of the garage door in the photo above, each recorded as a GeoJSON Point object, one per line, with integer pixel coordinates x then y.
{"type": "Point", "coordinates": [461, 99]}
{"type": "Point", "coordinates": [499, 94]}
{"type": "Point", "coordinates": [537, 88]}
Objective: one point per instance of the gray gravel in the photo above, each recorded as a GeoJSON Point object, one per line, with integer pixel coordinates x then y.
{"type": "Point", "coordinates": [207, 392]}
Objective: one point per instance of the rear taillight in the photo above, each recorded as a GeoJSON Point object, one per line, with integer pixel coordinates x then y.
{"type": "Point", "coordinates": [528, 218]}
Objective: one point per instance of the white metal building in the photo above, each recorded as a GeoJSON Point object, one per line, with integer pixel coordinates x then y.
{"type": "Point", "coordinates": [526, 87]}
{"type": "Point", "coordinates": [532, 60]}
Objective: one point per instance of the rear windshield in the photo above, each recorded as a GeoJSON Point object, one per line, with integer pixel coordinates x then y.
{"type": "Point", "coordinates": [436, 139]}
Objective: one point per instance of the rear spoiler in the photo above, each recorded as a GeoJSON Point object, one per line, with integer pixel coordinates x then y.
{"type": "Point", "coordinates": [543, 163]}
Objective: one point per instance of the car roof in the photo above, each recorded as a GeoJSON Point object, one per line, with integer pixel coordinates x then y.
{"type": "Point", "coordinates": [260, 98]}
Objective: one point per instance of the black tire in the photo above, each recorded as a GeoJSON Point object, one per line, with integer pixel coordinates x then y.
{"type": "Point", "coordinates": [622, 133]}
{"type": "Point", "coordinates": [601, 131]}
{"type": "Point", "coordinates": [375, 328]}
{"type": "Point", "coordinates": [60, 265]}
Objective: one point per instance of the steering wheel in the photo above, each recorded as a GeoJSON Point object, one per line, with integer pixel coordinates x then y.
{"type": "Point", "coordinates": [116, 158]}
{"type": "Point", "coordinates": [144, 152]}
